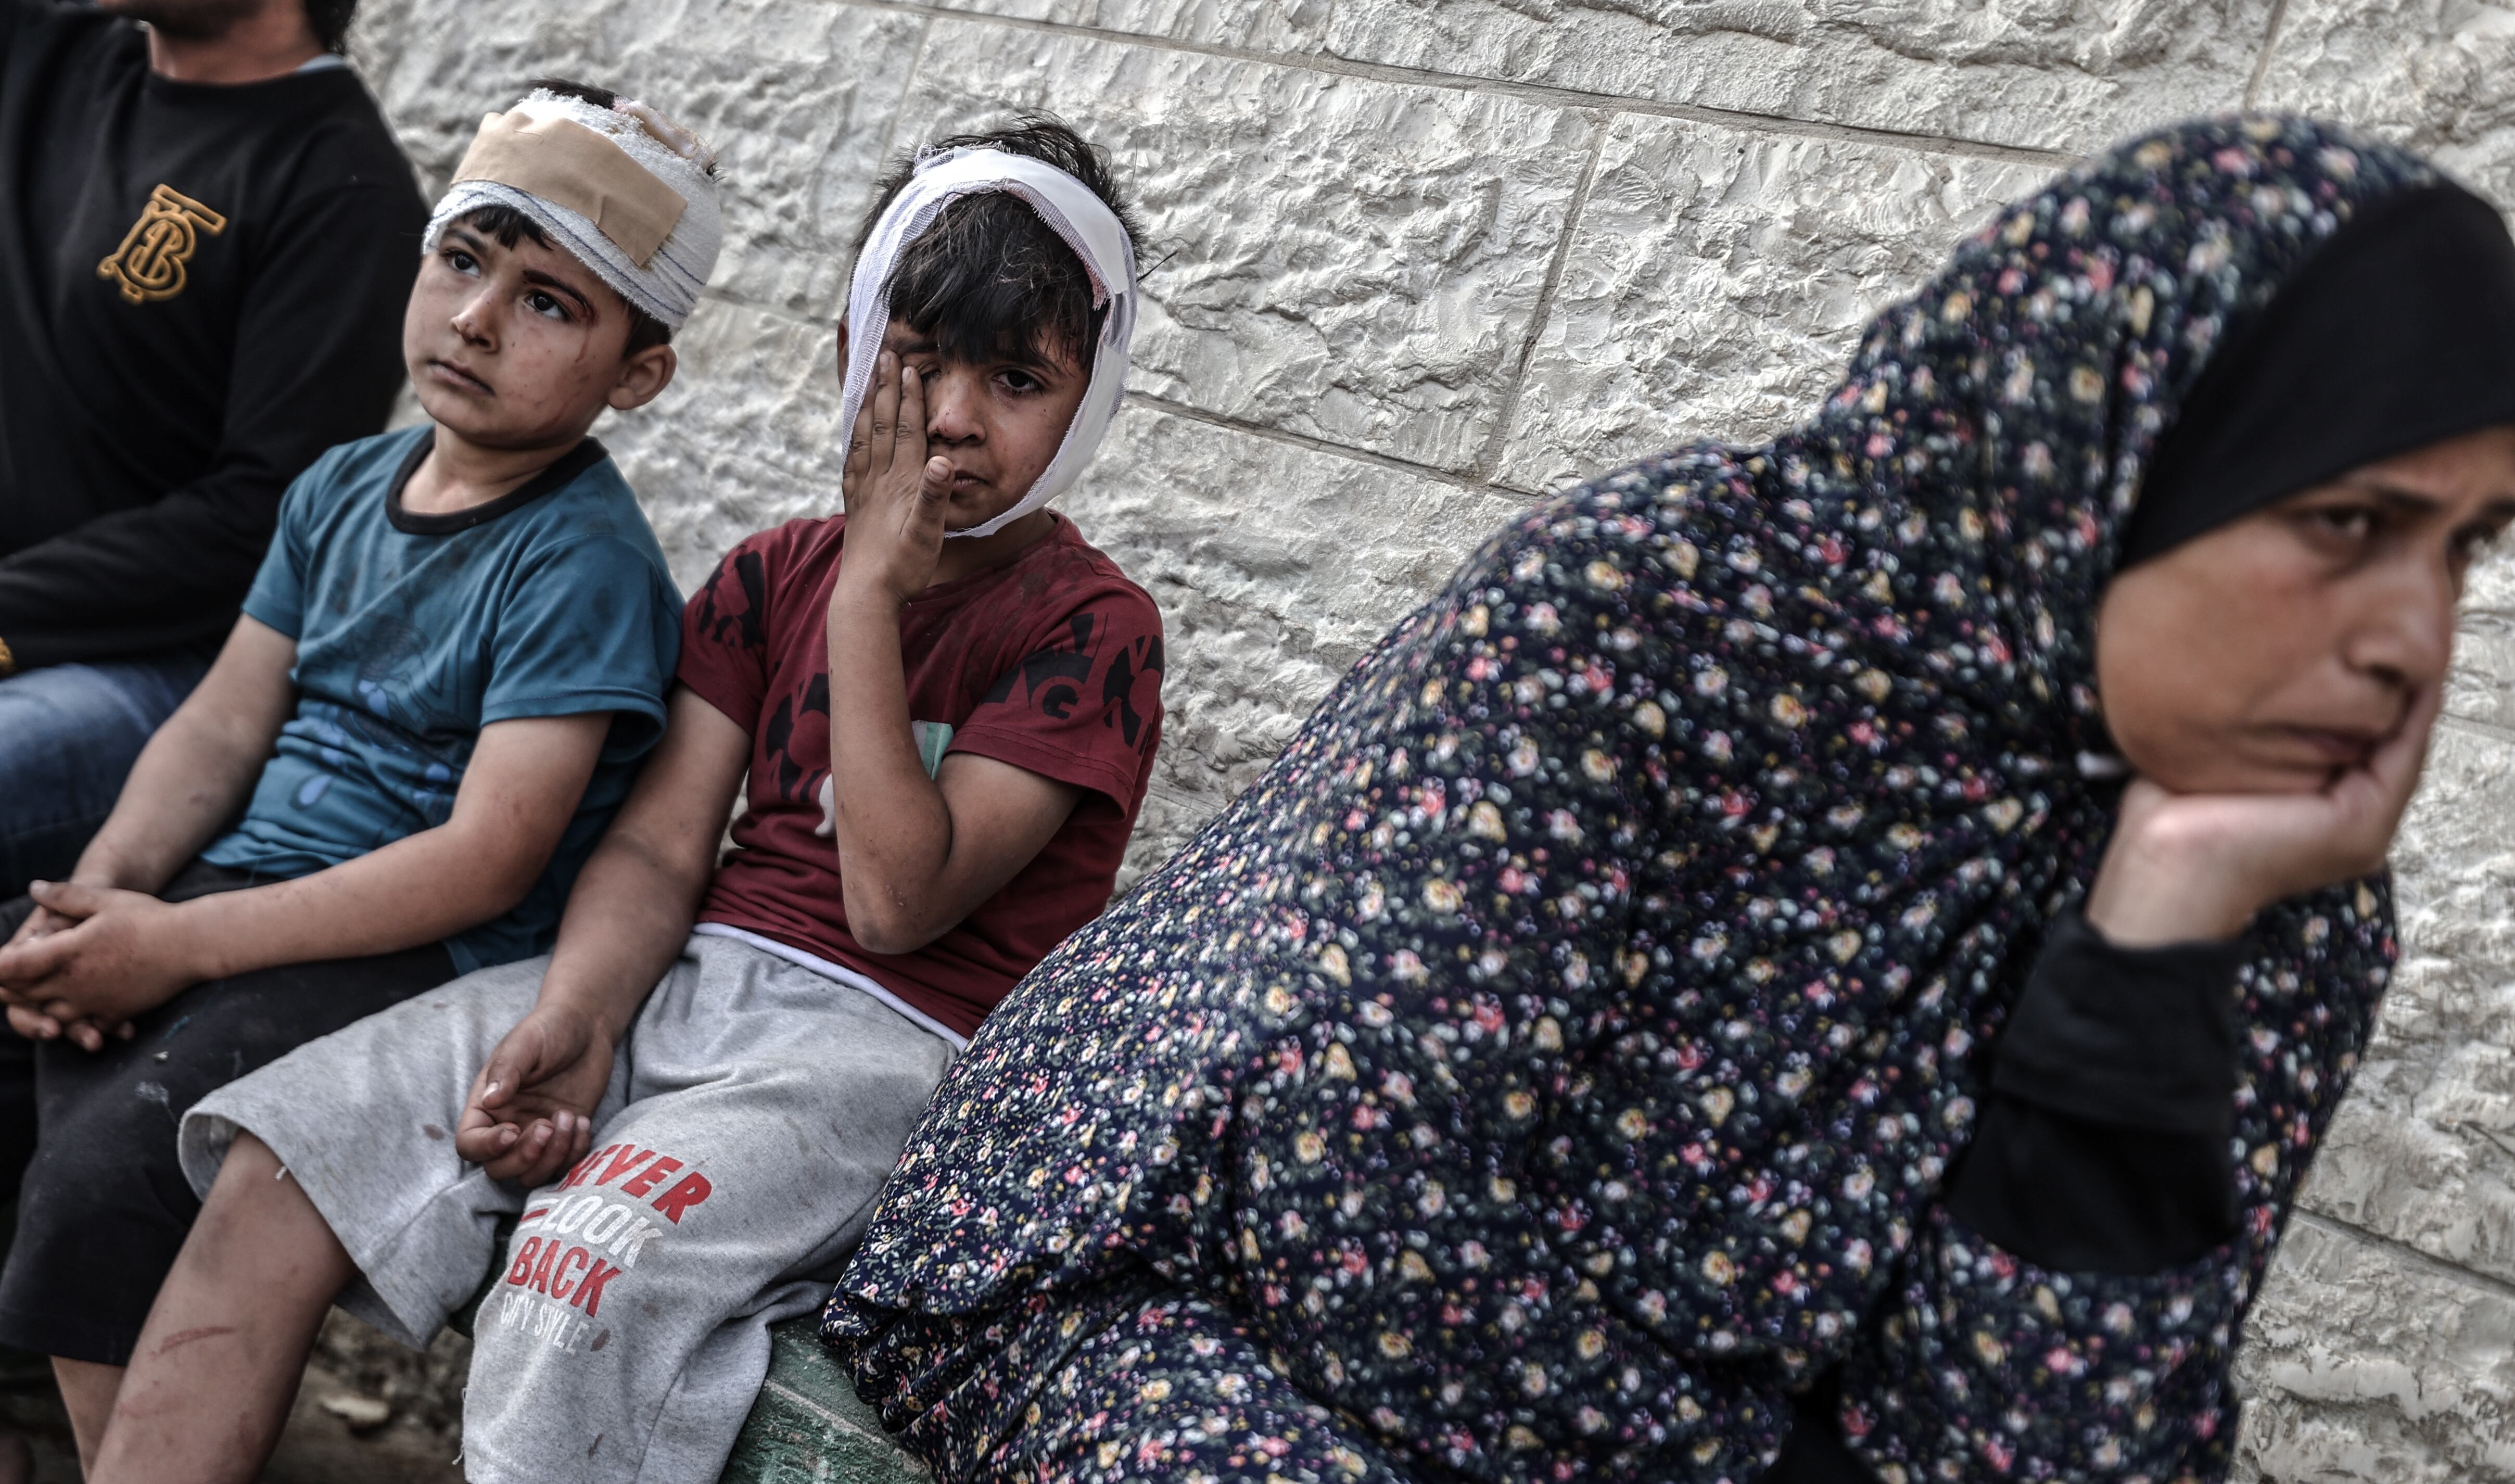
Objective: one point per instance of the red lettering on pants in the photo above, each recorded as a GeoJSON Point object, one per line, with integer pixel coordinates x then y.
{"type": "Point", "coordinates": [584, 1166]}
{"type": "Point", "coordinates": [542, 1269]}
{"type": "Point", "coordinates": [560, 1275]}
{"type": "Point", "coordinates": [523, 1268]}
{"type": "Point", "coordinates": [649, 1177]}
{"type": "Point", "coordinates": [590, 1291]}
{"type": "Point", "coordinates": [692, 1189]}
{"type": "Point", "coordinates": [629, 1158]}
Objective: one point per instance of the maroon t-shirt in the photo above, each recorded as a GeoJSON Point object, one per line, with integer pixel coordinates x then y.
{"type": "Point", "coordinates": [1051, 662]}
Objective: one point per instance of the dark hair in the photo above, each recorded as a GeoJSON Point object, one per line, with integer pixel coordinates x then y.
{"type": "Point", "coordinates": [509, 227]}
{"type": "Point", "coordinates": [583, 92]}
{"type": "Point", "coordinates": [331, 19]}
{"type": "Point", "coordinates": [990, 280]}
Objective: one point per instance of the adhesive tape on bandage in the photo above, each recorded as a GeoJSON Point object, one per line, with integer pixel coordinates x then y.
{"type": "Point", "coordinates": [571, 165]}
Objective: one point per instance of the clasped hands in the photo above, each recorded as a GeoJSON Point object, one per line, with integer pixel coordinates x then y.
{"type": "Point", "coordinates": [90, 957]}
{"type": "Point", "coordinates": [530, 1113]}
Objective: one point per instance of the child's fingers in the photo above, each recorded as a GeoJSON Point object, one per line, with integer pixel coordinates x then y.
{"type": "Point", "coordinates": [885, 409]}
{"type": "Point", "coordinates": [71, 900]}
{"type": "Point", "coordinates": [908, 441]}
{"type": "Point", "coordinates": [482, 1143]}
{"type": "Point", "coordinates": [552, 1144]}
{"type": "Point", "coordinates": [33, 959]}
{"type": "Point", "coordinates": [33, 1023]}
{"type": "Point", "coordinates": [476, 1133]}
{"type": "Point", "coordinates": [934, 485]}
{"type": "Point", "coordinates": [511, 1068]}
{"type": "Point", "coordinates": [43, 921]}
{"type": "Point", "coordinates": [525, 1156]}
{"type": "Point", "coordinates": [860, 446]}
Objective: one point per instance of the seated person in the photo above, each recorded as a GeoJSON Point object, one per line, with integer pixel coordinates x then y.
{"type": "Point", "coordinates": [1819, 962]}
{"type": "Point", "coordinates": [447, 671]}
{"type": "Point", "coordinates": [207, 237]}
{"type": "Point", "coordinates": [947, 742]}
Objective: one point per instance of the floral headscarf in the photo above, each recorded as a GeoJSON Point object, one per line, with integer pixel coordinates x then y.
{"type": "Point", "coordinates": [1558, 1054]}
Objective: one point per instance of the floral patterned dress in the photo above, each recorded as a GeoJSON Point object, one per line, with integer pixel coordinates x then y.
{"type": "Point", "coordinates": [1554, 1063]}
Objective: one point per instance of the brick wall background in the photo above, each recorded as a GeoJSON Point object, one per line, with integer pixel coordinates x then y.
{"type": "Point", "coordinates": [1417, 262]}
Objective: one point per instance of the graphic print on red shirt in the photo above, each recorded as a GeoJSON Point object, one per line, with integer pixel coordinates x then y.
{"type": "Point", "coordinates": [1051, 662]}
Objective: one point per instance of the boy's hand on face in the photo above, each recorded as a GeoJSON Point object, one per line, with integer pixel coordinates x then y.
{"type": "Point", "coordinates": [530, 1113]}
{"type": "Point", "coordinates": [895, 494]}
{"type": "Point", "coordinates": [91, 959]}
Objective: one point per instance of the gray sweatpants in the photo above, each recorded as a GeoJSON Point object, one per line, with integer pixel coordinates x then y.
{"type": "Point", "coordinates": [754, 1112]}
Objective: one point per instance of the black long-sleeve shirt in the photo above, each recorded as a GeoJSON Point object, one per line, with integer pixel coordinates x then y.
{"type": "Point", "coordinates": [2103, 1143]}
{"type": "Point", "coordinates": [201, 288]}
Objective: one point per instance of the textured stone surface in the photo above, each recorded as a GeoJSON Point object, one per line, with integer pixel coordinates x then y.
{"type": "Point", "coordinates": [2363, 1363]}
{"type": "Point", "coordinates": [2430, 73]}
{"type": "Point", "coordinates": [1273, 25]}
{"type": "Point", "coordinates": [746, 436]}
{"type": "Point", "coordinates": [1719, 279]}
{"type": "Point", "coordinates": [1366, 274]}
{"type": "Point", "coordinates": [1381, 311]}
{"type": "Point", "coordinates": [2424, 1150]}
{"type": "Point", "coordinates": [2054, 75]}
{"type": "Point", "coordinates": [1275, 567]}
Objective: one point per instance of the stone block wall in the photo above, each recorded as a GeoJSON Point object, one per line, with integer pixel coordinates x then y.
{"type": "Point", "coordinates": [1416, 262]}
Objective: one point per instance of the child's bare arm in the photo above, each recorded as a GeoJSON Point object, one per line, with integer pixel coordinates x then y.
{"type": "Point", "coordinates": [196, 772]}
{"type": "Point", "coordinates": [914, 854]}
{"type": "Point", "coordinates": [528, 1116]}
{"type": "Point", "coordinates": [128, 951]}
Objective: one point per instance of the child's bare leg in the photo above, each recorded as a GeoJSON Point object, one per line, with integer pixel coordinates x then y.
{"type": "Point", "coordinates": [87, 1394]}
{"type": "Point", "coordinates": [219, 1361]}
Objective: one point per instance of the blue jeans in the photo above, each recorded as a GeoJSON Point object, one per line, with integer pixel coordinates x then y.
{"type": "Point", "coordinates": [69, 735]}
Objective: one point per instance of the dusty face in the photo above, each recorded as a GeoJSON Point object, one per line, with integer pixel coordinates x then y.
{"type": "Point", "coordinates": [1000, 422]}
{"type": "Point", "coordinates": [2277, 649]}
{"type": "Point", "coordinates": [520, 347]}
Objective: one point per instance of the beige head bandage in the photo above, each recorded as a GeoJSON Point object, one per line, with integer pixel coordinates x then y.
{"type": "Point", "coordinates": [562, 161]}
{"type": "Point", "coordinates": [624, 190]}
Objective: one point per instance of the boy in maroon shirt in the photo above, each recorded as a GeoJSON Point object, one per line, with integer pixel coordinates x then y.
{"type": "Point", "coordinates": [947, 705]}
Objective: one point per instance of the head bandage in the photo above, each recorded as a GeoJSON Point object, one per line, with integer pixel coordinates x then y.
{"type": "Point", "coordinates": [624, 190]}
{"type": "Point", "coordinates": [1087, 225]}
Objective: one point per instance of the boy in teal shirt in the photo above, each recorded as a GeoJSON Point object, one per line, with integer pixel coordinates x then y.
{"type": "Point", "coordinates": [449, 667]}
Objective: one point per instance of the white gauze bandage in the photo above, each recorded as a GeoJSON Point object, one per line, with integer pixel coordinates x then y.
{"type": "Point", "coordinates": [624, 191]}
{"type": "Point", "coordinates": [1087, 225]}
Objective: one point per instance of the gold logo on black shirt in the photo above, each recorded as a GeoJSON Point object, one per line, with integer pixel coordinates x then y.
{"type": "Point", "coordinates": [149, 262]}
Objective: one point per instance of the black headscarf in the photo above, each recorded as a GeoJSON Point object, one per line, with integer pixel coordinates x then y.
{"type": "Point", "coordinates": [2398, 332]}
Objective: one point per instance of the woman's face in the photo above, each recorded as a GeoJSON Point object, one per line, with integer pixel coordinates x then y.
{"type": "Point", "coordinates": [2273, 651]}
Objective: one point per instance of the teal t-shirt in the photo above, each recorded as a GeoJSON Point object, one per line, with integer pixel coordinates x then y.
{"type": "Point", "coordinates": [414, 632]}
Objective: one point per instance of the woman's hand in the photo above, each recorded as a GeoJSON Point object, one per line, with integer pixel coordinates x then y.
{"type": "Point", "coordinates": [895, 494]}
{"type": "Point", "coordinates": [2185, 867]}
